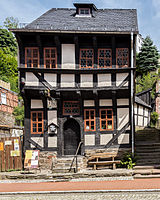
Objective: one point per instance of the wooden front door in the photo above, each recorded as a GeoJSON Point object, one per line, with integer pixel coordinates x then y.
{"type": "Point", "coordinates": [71, 136]}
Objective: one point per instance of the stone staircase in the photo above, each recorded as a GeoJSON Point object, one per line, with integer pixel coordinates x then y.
{"type": "Point", "coordinates": [62, 164]}
{"type": "Point", "coordinates": [147, 151]}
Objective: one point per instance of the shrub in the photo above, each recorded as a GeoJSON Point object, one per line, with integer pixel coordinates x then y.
{"type": "Point", "coordinates": [154, 118]}
{"type": "Point", "coordinates": [128, 161]}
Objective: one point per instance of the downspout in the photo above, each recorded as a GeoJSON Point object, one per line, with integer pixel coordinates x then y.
{"type": "Point", "coordinates": [132, 95]}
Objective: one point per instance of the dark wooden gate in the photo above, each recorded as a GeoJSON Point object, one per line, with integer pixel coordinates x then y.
{"type": "Point", "coordinates": [71, 136]}
{"type": "Point", "coordinates": [9, 158]}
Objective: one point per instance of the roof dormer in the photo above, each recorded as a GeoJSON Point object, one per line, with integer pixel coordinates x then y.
{"type": "Point", "coordinates": [84, 9]}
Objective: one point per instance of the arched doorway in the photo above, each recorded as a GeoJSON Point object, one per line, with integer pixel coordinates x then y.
{"type": "Point", "coordinates": [71, 136]}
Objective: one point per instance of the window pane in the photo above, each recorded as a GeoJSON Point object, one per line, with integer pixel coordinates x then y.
{"type": "Point", "coordinates": [35, 63]}
{"type": "Point", "coordinates": [53, 64]}
{"type": "Point", "coordinates": [53, 53]}
{"type": "Point", "coordinates": [29, 63]}
{"type": "Point", "coordinates": [109, 125]}
{"type": "Point", "coordinates": [34, 117]}
{"type": "Point", "coordinates": [40, 127]}
{"type": "Point", "coordinates": [35, 53]}
{"type": "Point", "coordinates": [47, 53]}
{"type": "Point", "coordinates": [29, 53]}
{"type": "Point", "coordinates": [47, 63]}
{"type": "Point", "coordinates": [39, 116]}
{"type": "Point", "coordinates": [34, 128]}
{"type": "Point", "coordinates": [103, 123]}
{"type": "Point", "coordinates": [92, 114]}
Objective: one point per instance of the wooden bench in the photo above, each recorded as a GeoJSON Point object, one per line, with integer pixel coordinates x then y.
{"type": "Point", "coordinates": [100, 159]}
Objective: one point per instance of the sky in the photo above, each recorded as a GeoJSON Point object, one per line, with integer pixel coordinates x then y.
{"type": "Point", "coordinates": [28, 10]}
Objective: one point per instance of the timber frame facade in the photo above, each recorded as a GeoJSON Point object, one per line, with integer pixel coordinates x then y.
{"type": "Point", "coordinates": [80, 80]}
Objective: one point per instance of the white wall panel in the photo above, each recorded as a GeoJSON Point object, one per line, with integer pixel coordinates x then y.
{"type": "Point", "coordinates": [67, 80]}
{"type": "Point", "coordinates": [122, 102]}
{"type": "Point", "coordinates": [89, 103]}
{"type": "Point", "coordinates": [120, 77]}
{"type": "Point", "coordinates": [51, 79]}
{"type": "Point", "coordinates": [105, 102]}
{"type": "Point", "coordinates": [122, 117]}
{"type": "Point", "coordinates": [52, 117]}
{"type": "Point", "coordinates": [36, 103]}
{"type": "Point", "coordinates": [89, 140]}
{"type": "Point", "coordinates": [86, 80]}
{"type": "Point", "coordinates": [38, 140]}
{"type": "Point", "coordinates": [104, 80]}
{"type": "Point", "coordinates": [68, 56]}
{"type": "Point", "coordinates": [105, 138]}
{"type": "Point", "coordinates": [31, 79]}
{"type": "Point", "coordinates": [52, 141]}
{"type": "Point", "coordinates": [123, 139]}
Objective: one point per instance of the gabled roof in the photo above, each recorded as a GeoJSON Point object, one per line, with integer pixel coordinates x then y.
{"type": "Point", "coordinates": [102, 20]}
{"type": "Point", "coordinates": [139, 101]}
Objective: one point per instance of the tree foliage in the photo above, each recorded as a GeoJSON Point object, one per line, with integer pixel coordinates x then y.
{"type": "Point", "coordinates": [19, 115]}
{"type": "Point", "coordinates": [11, 22]}
{"type": "Point", "coordinates": [147, 59]}
{"type": "Point", "coordinates": [145, 82]}
{"type": "Point", "coordinates": [8, 42]}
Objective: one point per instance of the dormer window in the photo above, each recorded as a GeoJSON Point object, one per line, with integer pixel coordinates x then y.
{"type": "Point", "coordinates": [84, 11]}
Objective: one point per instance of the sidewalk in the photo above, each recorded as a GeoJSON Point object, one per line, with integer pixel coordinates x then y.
{"type": "Point", "coordinates": [87, 186]}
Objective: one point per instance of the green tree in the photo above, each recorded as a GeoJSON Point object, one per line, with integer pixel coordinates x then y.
{"type": "Point", "coordinates": [8, 42]}
{"type": "Point", "coordinates": [11, 22]}
{"type": "Point", "coordinates": [145, 82]}
{"type": "Point", "coordinates": [147, 59]}
{"type": "Point", "coordinates": [19, 115]}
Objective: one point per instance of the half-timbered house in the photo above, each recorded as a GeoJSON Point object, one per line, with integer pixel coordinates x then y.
{"type": "Point", "coordinates": [77, 69]}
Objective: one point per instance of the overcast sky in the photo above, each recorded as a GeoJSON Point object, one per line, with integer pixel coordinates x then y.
{"type": "Point", "coordinates": [28, 10]}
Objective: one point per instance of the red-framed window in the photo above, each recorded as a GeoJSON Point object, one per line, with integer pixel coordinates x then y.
{"type": "Point", "coordinates": [106, 119]}
{"type": "Point", "coordinates": [71, 108]}
{"type": "Point", "coordinates": [50, 58]}
{"type": "Point", "coordinates": [86, 58]}
{"type": "Point", "coordinates": [37, 122]}
{"type": "Point", "coordinates": [84, 11]}
{"type": "Point", "coordinates": [122, 57]}
{"type": "Point", "coordinates": [104, 58]}
{"type": "Point", "coordinates": [31, 57]}
{"type": "Point", "coordinates": [89, 120]}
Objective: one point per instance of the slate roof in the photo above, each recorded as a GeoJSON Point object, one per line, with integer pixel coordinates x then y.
{"type": "Point", "coordinates": [139, 101]}
{"type": "Point", "coordinates": [103, 20]}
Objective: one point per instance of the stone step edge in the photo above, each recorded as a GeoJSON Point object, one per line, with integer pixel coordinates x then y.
{"type": "Point", "coordinates": [137, 176]}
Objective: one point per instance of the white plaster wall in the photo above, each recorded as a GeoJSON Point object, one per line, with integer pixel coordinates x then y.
{"type": "Point", "coordinates": [86, 80]}
{"type": "Point", "coordinates": [122, 102]}
{"type": "Point", "coordinates": [51, 79]}
{"type": "Point", "coordinates": [140, 110]}
{"type": "Point", "coordinates": [38, 140]}
{"type": "Point", "coordinates": [140, 121]}
{"type": "Point", "coordinates": [89, 103]}
{"type": "Point", "coordinates": [68, 56]}
{"type": "Point", "coordinates": [67, 80]}
{"type": "Point", "coordinates": [89, 140]}
{"type": "Point", "coordinates": [123, 139]}
{"type": "Point", "coordinates": [120, 78]}
{"type": "Point", "coordinates": [52, 141]}
{"type": "Point", "coordinates": [122, 117]}
{"type": "Point", "coordinates": [146, 113]}
{"type": "Point", "coordinates": [135, 120]}
{"type": "Point", "coordinates": [104, 80]}
{"type": "Point", "coordinates": [145, 121]}
{"type": "Point", "coordinates": [105, 138]}
{"type": "Point", "coordinates": [135, 108]}
{"type": "Point", "coordinates": [52, 117]}
{"type": "Point", "coordinates": [105, 102]}
{"type": "Point", "coordinates": [31, 79]}
{"type": "Point", "coordinates": [36, 103]}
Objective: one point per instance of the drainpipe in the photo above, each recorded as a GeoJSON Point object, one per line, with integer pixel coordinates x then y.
{"type": "Point", "coordinates": [132, 95]}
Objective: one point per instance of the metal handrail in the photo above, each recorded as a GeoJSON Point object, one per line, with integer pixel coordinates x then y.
{"type": "Point", "coordinates": [75, 156]}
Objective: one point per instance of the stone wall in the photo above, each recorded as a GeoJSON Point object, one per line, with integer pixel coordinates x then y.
{"type": "Point", "coordinates": [6, 119]}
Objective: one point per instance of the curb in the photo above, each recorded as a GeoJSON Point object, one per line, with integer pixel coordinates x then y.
{"type": "Point", "coordinates": [79, 191]}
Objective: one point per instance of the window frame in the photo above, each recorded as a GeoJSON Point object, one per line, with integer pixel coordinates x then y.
{"type": "Point", "coordinates": [106, 120]}
{"type": "Point", "coordinates": [81, 49]}
{"type": "Point", "coordinates": [32, 58]}
{"type": "Point", "coordinates": [80, 9]}
{"type": "Point", "coordinates": [104, 58]}
{"type": "Point", "coordinates": [50, 58]}
{"type": "Point", "coordinates": [123, 66]}
{"type": "Point", "coordinates": [71, 108]}
{"type": "Point", "coordinates": [85, 120]}
{"type": "Point", "coordinates": [37, 122]}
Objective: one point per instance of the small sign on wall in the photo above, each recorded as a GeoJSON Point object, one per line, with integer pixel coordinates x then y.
{"type": "Point", "coordinates": [1, 146]}
{"type": "Point", "coordinates": [15, 153]}
{"type": "Point", "coordinates": [31, 159]}
{"type": "Point", "coordinates": [16, 144]}
{"type": "Point", "coordinates": [8, 142]}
